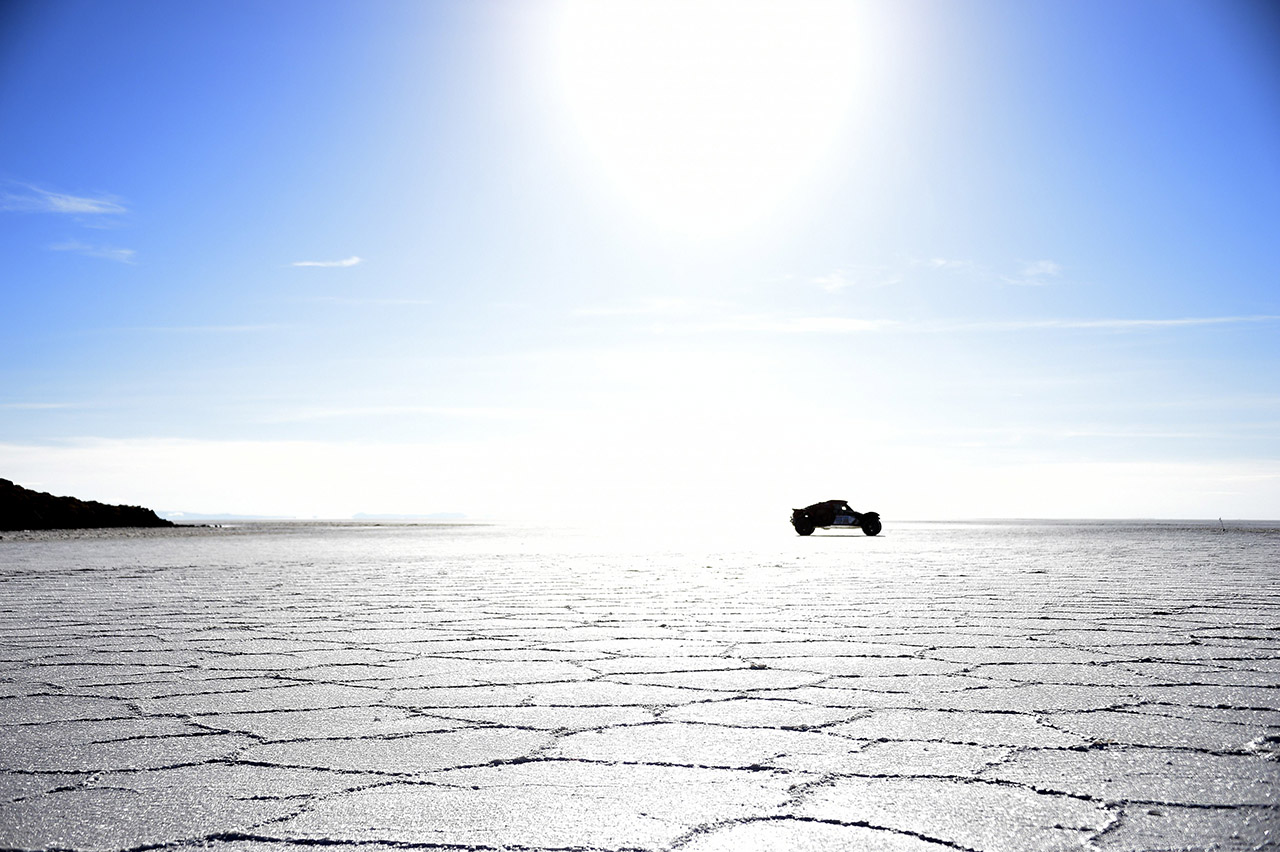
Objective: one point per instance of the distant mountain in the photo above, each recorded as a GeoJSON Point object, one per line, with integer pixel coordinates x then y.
{"type": "Point", "coordinates": [436, 516]}
{"type": "Point", "coordinates": [174, 515]}
{"type": "Point", "coordinates": [24, 509]}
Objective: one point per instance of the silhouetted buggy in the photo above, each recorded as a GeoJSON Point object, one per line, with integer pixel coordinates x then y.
{"type": "Point", "coordinates": [833, 513]}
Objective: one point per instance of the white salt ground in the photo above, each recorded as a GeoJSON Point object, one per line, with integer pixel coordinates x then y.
{"type": "Point", "coordinates": [971, 686]}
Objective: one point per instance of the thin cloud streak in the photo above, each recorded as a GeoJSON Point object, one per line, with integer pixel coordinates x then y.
{"type": "Point", "coordinates": [949, 264]}
{"type": "Point", "coordinates": [203, 329]}
{"type": "Point", "coordinates": [858, 325]}
{"type": "Point", "coordinates": [36, 406]}
{"type": "Point", "coordinates": [807, 325]}
{"type": "Point", "coordinates": [37, 200]}
{"type": "Point", "coordinates": [1037, 273]}
{"type": "Point", "coordinates": [647, 307]}
{"type": "Point", "coordinates": [1042, 267]}
{"type": "Point", "coordinates": [120, 255]}
{"type": "Point", "coordinates": [479, 413]}
{"type": "Point", "coordinates": [862, 278]}
{"type": "Point", "coordinates": [1014, 435]}
{"type": "Point", "coordinates": [1115, 324]}
{"type": "Point", "coordinates": [354, 300]}
{"type": "Point", "coordinates": [329, 264]}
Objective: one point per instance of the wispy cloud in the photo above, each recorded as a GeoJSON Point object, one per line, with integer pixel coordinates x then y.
{"type": "Point", "coordinates": [807, 325]}
{"type": "Point", "coordinates": [121, 255]}
{"type": "Point", "coordinates": [1138, 434]}
{"type": "Point", "coordinates": [767, 324]}
{"type": "Point", "coordinates": [1115, 324]}
{"type": "Point", "coordinates": [861, 325]}
{"type": "Point", "coordinates": [1028, 273]}
{"type": "Point", "coordinates": [1034, 274]}
{"type": "Point", "coordinates": [470, 413]}
{"type": "Point", "coordinates": [33, 199]}
{"type": "Point", "coordinates": [205, 329]}
{"type": "Point", "coordinates": [330, 264]}
{"type": "Point", "coordinates": [35, 406]}
{"type": "Point", "coordinates": [863, 277]}
{"type": "Point", "coordinates": [1041, 267]}
{"type": "Point", "coordinates": [647, 307]}
{"type": "Point", "coordinates": [371, 300]}
{"type": "Point", "coordinates": [948, 264]}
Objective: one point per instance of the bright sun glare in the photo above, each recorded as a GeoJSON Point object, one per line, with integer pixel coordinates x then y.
{"type": "Point", "coordinates": [706, 114]}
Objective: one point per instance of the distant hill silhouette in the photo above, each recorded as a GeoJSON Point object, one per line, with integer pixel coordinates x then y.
{"type": "Point", "coordinates": [24, 509]}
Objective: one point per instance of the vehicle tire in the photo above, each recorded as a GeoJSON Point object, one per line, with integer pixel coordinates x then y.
{"type": "Point", "coordinates": [804, 529]}
{"type": "Point", "coordinates": [871, 526]}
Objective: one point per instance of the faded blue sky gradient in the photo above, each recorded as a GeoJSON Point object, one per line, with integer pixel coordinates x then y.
{"type": "Point", "coordinates": [317, 258]}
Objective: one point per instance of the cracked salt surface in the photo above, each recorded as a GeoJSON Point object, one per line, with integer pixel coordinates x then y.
{"type": "Point", "coordinates": [942, 687]}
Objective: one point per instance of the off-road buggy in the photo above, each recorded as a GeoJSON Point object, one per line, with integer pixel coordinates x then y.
{"type": "Point", "coordinates": [833, 513]}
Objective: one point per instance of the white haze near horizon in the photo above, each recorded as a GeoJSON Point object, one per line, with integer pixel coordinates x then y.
{"type": "Point", "coordinates": [345, 480]}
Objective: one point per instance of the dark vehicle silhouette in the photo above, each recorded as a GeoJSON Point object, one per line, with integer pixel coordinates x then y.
{"type": "Point", "coordinates": [834, 513]}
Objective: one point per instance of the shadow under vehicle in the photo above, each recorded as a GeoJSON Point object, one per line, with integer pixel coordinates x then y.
{"type": "Point", "coordinates": [834, 513]}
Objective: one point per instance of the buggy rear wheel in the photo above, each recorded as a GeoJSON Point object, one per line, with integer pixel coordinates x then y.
{"type": "Point", "coordinates": [804, 528]}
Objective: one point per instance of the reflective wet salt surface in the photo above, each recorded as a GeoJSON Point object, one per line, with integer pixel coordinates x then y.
{"type": "Point", "coordinates": [978, 686]}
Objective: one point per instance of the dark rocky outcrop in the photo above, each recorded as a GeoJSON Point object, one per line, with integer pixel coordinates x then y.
{"type": "Point", "coordinates": [24, 509]}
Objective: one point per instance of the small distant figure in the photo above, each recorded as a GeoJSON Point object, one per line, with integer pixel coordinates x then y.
{"type": "Point", "coordinates": [833, 513]}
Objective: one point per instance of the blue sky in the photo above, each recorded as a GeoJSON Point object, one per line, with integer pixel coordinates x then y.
{"type": "Point", "coordinates": [563, 259]}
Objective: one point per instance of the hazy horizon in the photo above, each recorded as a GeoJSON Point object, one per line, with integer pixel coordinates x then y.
{"type": "Point", "coordinates": [627, 261]}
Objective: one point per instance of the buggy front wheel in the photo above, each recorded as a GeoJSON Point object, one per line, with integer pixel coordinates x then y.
{"type": "Point", "coordinates": [871, 525]}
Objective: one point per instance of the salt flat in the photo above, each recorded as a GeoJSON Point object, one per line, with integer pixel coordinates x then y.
{"type": "Point", "coordinates": [1010, 686]}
